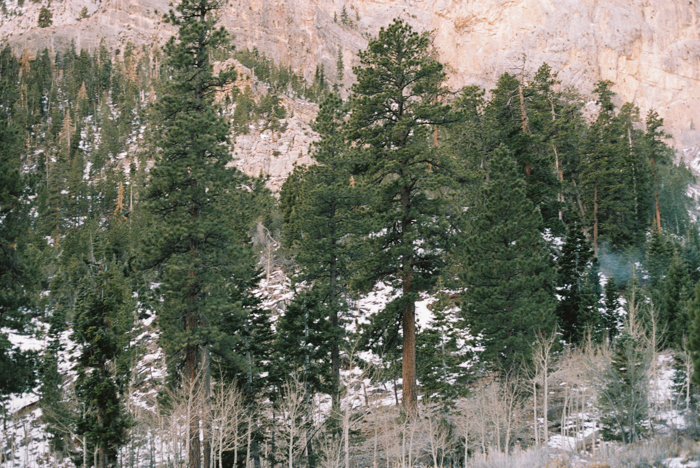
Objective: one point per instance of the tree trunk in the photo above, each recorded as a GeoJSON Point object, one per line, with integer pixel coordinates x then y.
{"type": "Point", "coordinates": [191, 351]}
{"type": "Point", "coordinates": [346, 433]}
{"type": "Point", "coordinates": [335, 348]}
{"type": "Point", "coordinates": [408, 368]}
{"type": "Point", "coordinates": [545, 408]}
{"type": "Point", "coordinates": [206, 402]}
{"type": "Point", "coordinates": [534, 399]}
{"type": "Point", "coordinates": [560, 179]}
{"type": "Point", "coordinates": [523, 113]}
{"type": "Point", "coordinates": [248, 440]}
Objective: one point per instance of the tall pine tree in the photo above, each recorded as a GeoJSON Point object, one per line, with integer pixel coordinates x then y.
{"type": "Point", "coordinates": [395, 107]}
{"type": "Point", "coordinates": [191, 240]}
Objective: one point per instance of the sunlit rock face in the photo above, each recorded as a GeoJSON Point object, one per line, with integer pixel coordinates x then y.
{"type": "Point", "coordinates": [649, 48]}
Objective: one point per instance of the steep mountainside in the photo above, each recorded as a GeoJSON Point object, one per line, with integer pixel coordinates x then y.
{"type": "Point", "coordinates": [649, 48]}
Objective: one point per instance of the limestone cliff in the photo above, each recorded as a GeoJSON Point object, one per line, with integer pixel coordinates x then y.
{"type": "Point", "coordinates": [649, 48]}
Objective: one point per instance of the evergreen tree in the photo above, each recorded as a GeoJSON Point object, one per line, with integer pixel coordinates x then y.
{"type": "Point", "coordinates": [611, 314]}
{"type": "Point", "coordinates": [613, 175]}
{"type": "Point", "coordinates": [508, 275]}
{"type": "Point", "coordinates": [302, 344]}
{"type": "Point", "coordinates": [691, 252]}
{"type": "Point", "coordinates": [694, 338]}
{"type": "Point", "coordinates": [658, 259]}
{"type": "Point", "coordinates": [441, 350]}
{"type": "Point", "coordinates": [552, 122]}
{"type": "Point", "coordinates": [394, 110]}
{"type": "Point", "coordinates": [596, 162]}
{"type": "Point", "coordinates": [45, 18]}
{"type": "Point", "coordinates": [673, 306]}
{"type": "Point", "coordinates": [471, 139]}
{"type": "Point", "coordinates": [103, 320]}
{"type": "Point", "coordinates": [192, 241]}
{"type": "Point", "coordinates": [521, 118]}
{"type": "Point", "coordinates": [623, 400]}
{"type": "Point", "coordinates": [578, 307]}
{"type": "Point", "coordinates": [658, 153]}
{"type": "Point", "coordinates": [675, 204]}
{"type": "Point", "coordinates": [317, 207]}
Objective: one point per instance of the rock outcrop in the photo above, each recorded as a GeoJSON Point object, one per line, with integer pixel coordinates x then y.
{"type": "Point", "coordinates": [649, 48]}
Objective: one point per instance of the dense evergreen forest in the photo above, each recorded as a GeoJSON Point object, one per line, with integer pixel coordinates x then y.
{"type": "Point", "coordinates": [544, 238]}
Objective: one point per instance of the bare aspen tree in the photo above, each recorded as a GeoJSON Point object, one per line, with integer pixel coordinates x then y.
{"type": "Point", "coordinates": [252, 416]}
{"type": "Point", "coordinates": [436, 432]}
{"type": "Point", "coordinates": [290, 426]}
{"type": "Point", "coordinates": [494, 410]}
{"type": "Point", "coordinates": [382, 423]}
{"type": "Point", "coordinates": [411, 442]}
{"type": "Point", "coordinates": [227, 421]}
{"type": "Point", "coordinates": [655, 332]}
{"type": "Point", "coordinates": [687, 364]}
{"type": "Point", "coordinates": [542, 358]}
{"type": "Point", "coordinates": [467, 423]}
{"type": "Point", "coordinates": [330, 452]}
{"type": "Point", "coordinates": [390, 434]}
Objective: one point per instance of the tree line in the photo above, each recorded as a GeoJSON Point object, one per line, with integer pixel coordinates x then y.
{"type": "Point", "coordinates": [522, 219]}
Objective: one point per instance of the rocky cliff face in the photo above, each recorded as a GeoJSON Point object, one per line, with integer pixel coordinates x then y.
{"type": "Point", "coordinates": [649, 48]}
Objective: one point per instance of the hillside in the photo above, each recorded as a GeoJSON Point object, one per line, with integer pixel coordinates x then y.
{"type": "Point", "coordinates": [324, 235]}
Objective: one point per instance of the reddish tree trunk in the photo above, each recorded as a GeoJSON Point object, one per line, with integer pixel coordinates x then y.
{"type": "Point", "coordinates": [408, 368]}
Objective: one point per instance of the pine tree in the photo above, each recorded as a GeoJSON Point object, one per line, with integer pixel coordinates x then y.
{"type": "Point", "coordinates": [317, 204]}
{"type": "Point", "coordinates": [552, 123]}
{"type": "Point", "coordinates": [508, 275]}
{"type": "Point", "coordinates": [578, 307]}
{"type": "Point", "coordinates": [471, 140]}
{"type": "Point", "coordinates": [45, 18]}
{"type": "Point", "coordinates": [694, 329]}
{"type": "Point", "coordinates": [658, 259]}
{"type": "Point", "coordinates": [691, 252]}
{"type": "Point", "coordinates": [658, 153]}
{"type": "Point", "coordinates": [673, 306]}
{"type": "Point", "coordinates": [675, 204]}
{"type": "Point", "coordinates": [623, 399]}
{"type": "Point", "coordinates": [192, 240]}
{"type": "Point", "coordinates": [441, 350]}
{"type": "Point", "coordinates": [521, 118]}
{"type": "Point", "coordinates": [302, 344]}
{"type": "Point", "coordinates": [597, 171]}
{"type": "Point", "coordinates": [394, 110]}
{"type": "Point", "coordinates": [615, 176]}
{"type": "Point", "coordinates": [102, 323]}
